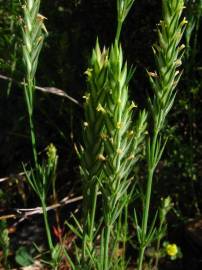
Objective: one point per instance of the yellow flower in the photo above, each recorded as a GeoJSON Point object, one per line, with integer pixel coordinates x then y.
{"type": "Point", "coordinates": [88, 72]}
{"type": "Point", "coordinates": [171, 250]}
{"type": "Point", "coordinates": [100, 108]}
{"type": "Point", "coordinates": [51, 151]}
{"type": "Point", "coordinates": [133, 105]}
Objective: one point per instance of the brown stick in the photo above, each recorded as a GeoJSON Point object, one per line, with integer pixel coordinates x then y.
{"type": "Point", "coordinates": [50, 90]}
{"type": "Point", "coordinates": [24, 213]}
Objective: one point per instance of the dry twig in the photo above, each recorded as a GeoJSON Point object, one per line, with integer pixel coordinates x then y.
{"type": "Point", "coordinates": [50, 90]}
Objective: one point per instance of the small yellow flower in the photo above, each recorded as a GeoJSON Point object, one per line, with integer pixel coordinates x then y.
{"type": "Point", "coordinates": [51, 151]}
{"type": "Point", "coordinates": [172, 250]}
{"type": "Point", "coordinates": [104, 136]}
{"type": "Point", "coordinates": [184, 21]}
{"type": "Point", "coordinates": [101, 157]}
{"type": "Point", "coordinates": [119, 151]}
{"type": "Point", "coordinates": [86, 98]}
{"type": "Point", "coordinates": [88, 72]}
{"type": "Point", "coordinates": [52, 156]}
{"type": "Point", "coordinates": [131, 157]}
{"type": "Point", "coordinates": [100, 108]}
{"type": "Point", "coordinates": [40, 17]}
{"type": "Point", "coordinates": [133, 105]}
{"type": "Point", "coordinates": [119, 125]}
{"type": "Point", "coordinates": [130, 133]}
{"type": "Point", "coordinates": [152, 74]}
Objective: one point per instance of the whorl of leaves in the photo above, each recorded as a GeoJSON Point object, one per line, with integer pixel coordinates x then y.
{"type": "Point", "coordinates": [168, 54]}
{"type": "Point", "coordinates": [123, 7]}
{"type": "Point", "coordinates": [92, 154]}
{"type": "Point", "coordinates": [33, 35]}
{"type": "Point", "coordinates": [123, 136]}
{"type": "Point", "coordinates": [112, 139]}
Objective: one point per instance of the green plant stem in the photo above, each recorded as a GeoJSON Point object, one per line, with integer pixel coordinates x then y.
{"type": "Point", "coordinates": [12, 40]}
{"type": "Point", "coordinates": [148, 199]}
{"type": "Point", "coordinates": [125, 229]}
{"type": "Point", "coordinates": [141, 257]}
{"type": "Point", "coordinates": [94, 203]}
{"type": "Point", "coordinates": [118, 31]}
{"type": "Point", "coordinates": [29, 89]}
{"type": "Point", "coordinates": [158, 246]}
{"type": "Point", "coordinates": [146, 217]}
{"type": "Point", "coordinates": [107, 232]}
{"type": "Point", "coordinates": [151, 168]}
{"type": "Point", "coordinates": [89, 230]}
{"type": "Point", "coordinates": [48, 233]}
{"type": "Point", "coordinates": [33, 139]}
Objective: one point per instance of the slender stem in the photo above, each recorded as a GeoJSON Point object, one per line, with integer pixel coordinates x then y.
{"type": "Point", "coordinates": [12, 40]}
{"type": "Point", "coordinates": [85, 223]}
{"type": "Point", "coordinates": [118, 31]}
{"type": "Point", "coordinates": [151, 168]}
{"type": "Point", "coordinates": [94, 203]}
{"type": "Point", "coordinates": [29, 89]}
{"type": "Point", "coordinates": [91, 202]}
{"type": "Point", "coordinates": [107, 232]}
{"type": "Point", "coordinates": [84, 248]}
{"type": "Point", "coordinates": [158, 246]}
{"type": "Point", "coordinates": [48, 233]}
{"type": "Point", "coordinates": [125, 231]}
{"type": "Point", "coordinates": [146, 216]}
{"type": "Point", "coordinates": [33, 139]}
{"type": "Point", "coordinates": [141, 257]}
{"type": "Point", "coordinates": [148, 199]}
{"type": "Point", "coordinates": [162, 103]}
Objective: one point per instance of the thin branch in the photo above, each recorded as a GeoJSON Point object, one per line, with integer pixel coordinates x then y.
{"type": "Point", "coordinates": [11, 176]}
{"type": "Point", "coordinates": [24, 213]}
{"type": "Point", "coordinates": [50, 90]}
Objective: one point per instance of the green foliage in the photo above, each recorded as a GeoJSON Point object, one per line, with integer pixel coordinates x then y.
{"type": "Point", "coordinates": [93, 125]}
{"type": "Point", "coordinates": [168, 54]}
{"type": "Point", "coordinates": [43, 175]}
{"type": "Point", "coordinates": [122, 143]}
{"type": "Point", "coordinates": [185, 149]}
{"type": "Point", "coordinates": [9, 42]}
{"type": "Point", "coordinates": [4, 243]}
{"type": "Point", "coordinates": [40, 180]}
{"type": "Point", "coordinates": [23, 258]}
{"type": "Point", "coordinates": [168, 57]}
{"type": "Point", "coordinates": [112, 143]}
{"type": "Point", "coordinates": [194, 13]}
{"type": "Point", "coordinates": [123, 8]}
{"type": "Point", "coordinates": [33, 35]}
{"type": "Point", "coordinates": [92, 154]}
{"type": "Point", "coordinates": [114, 128]}
{"type": "Point", "coordinates": [34, 31]}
